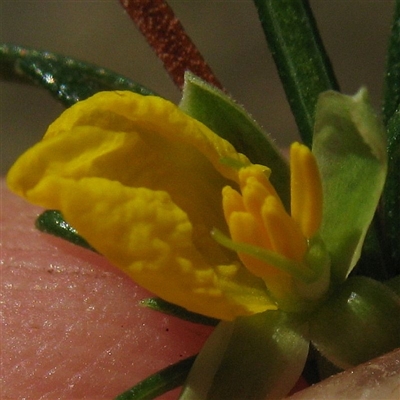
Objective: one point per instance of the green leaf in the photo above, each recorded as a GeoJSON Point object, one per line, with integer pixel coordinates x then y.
{"type": "Point", "coordinates": [157, 304]}
{"type": "Point", "coordinates": [350, 147]}
{"type": "Point", "coordinates": [360, 321]}
{"type": "Point", "coordinates": [257, 357]}
{"type": "Point", "coordinates": [67, 79]}
{"type": "Point", "coordinates": [392, 74]}
{"type": "Point", "coordinates": [390, 213]}
{"type": "Point", "coordinates": [300, 57]}
{"type": "Point", "coordinates": [52, 222]}
{"type": "Point", "coordinates": [390, 210]}
{"type": "Point", "coordinates": [160, 382]}
{"type": "Point", "coordinates": [227, 119]}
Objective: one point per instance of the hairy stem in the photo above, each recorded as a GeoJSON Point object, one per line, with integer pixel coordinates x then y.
{"type": "Point", "coordinates": [166, 35]}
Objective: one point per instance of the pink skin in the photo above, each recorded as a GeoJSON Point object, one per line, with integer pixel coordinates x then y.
{"type": "Point", "coordinates": [71, 324]}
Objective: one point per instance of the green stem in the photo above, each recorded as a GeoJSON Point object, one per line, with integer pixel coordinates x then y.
{"type": "Point", "coordinates": [299, 55]}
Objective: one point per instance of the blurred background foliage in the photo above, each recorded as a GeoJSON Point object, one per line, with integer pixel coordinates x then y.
{"type": "Point", "coordinates": [227, 32]}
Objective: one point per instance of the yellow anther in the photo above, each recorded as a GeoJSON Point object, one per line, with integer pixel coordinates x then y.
{"type": "Point", "coordinates": [254, 194]}
{"type": "Point", "coordinates": [285, 235]}
{"type": "Point", "coordinates": [231, 201]}
{"type": "Point", "coordinates": [306, 189]}
{"type": "Point", "coordinates": [244, 228]}
{"type": "Point", "coordinates": [260, 173]}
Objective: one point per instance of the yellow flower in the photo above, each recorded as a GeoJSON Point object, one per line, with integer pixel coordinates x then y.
{"type": "Point", "coordinates": [144, 184]}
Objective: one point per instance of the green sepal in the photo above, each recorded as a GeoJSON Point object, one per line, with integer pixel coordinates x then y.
{"type": "Point", "coordinates": [67, 79]}
{"type": "Point", "coordinates": [256, 357]}
{"type": "Point", "coordinates": [52, 222]}
{"type": "Point", "coordinates": [230, 121]}
{"type": "Point", "coordinates": [360, 321]}
{"type": "Point", "coordinates": [301, 60]}
{"type": "Point", "coordinates": [159, 383]}
{"type": "Point", "coordinates": [350, 148]}
{"type": "Point", "coordinates": [157, 304]}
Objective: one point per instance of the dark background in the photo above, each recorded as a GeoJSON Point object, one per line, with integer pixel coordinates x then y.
{"type": "Point", "coordinates": [227, 32]}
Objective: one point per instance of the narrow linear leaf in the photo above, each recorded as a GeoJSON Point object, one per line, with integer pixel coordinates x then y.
{"type": "Point", "coordinates": [227, 119]}
{"type": "Point", "coordinates": [52, 222]}
{"type": "Point", "coordinates": [390, 210]}
{"type": "Point", "coordinates": [387, 221]}
{"type": "Point", "coordinates": [391, 87]}
{"type": "Point", "coordinates": [157, 304]}
{"type": "Point", "coordinates": [159, 383]}
{"type": "Point", "coordinates": [67, 79]}
{"type": "Point", "coordinates": [300, 57]}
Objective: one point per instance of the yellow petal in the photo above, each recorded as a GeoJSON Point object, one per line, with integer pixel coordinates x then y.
{"type": "Point", "coordinates": [150, 239]}
{"type": "Point", "coordinates": [192, 182]}
{"type": "Point", "coordinates": [153, 118]}
{"type": "Point", "coordinates": [108, 164]}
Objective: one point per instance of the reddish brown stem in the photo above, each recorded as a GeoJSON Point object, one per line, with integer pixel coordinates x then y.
{"type": "Point", "coordinates": [166, 35]}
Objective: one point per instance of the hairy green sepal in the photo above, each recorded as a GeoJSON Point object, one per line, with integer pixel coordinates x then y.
{"type": "Point", "coordinates": [350, 147]}
{"type": "Point", "coordinates": [257, 357]}
{"type": "Point", "coordinates": [230, 121]}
